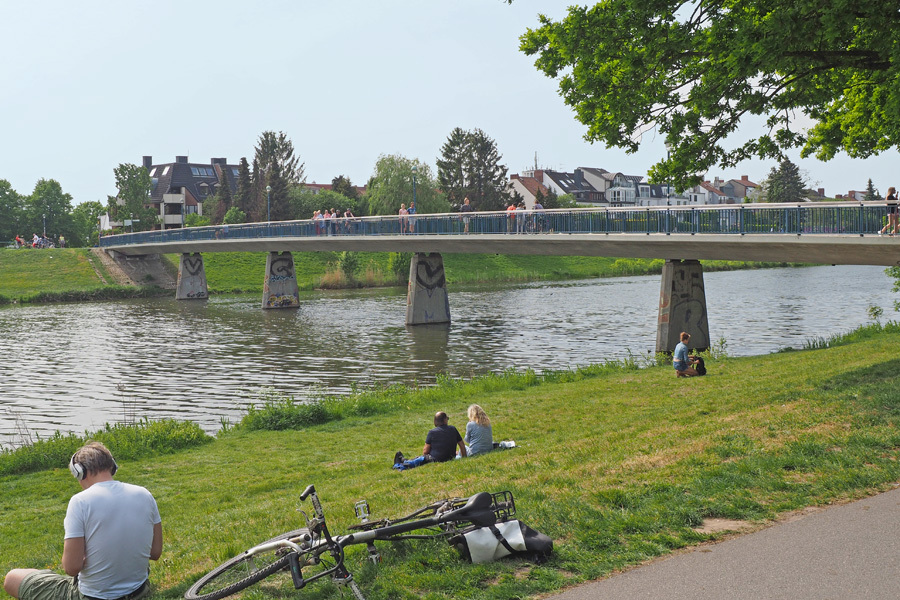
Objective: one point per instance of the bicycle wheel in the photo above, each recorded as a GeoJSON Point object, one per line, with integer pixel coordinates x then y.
{"type": "Point", "coordinates": [241, 571]}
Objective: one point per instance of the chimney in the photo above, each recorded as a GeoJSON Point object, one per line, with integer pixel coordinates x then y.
{"type": "Point", "coordinates": [539, 175]}
{"type": "Point", "coordinates": [745, 179]}
{"type": "Point", "coordinates": [579, 179]}
{"type": "Point", "coordinates": [181, 160]}
{"type": "Point", "coordinates": [218, 161]}
{"type": "Point", "coordinates": [148, 162]}
{"type": "Point", "coordinates": [822, 192]}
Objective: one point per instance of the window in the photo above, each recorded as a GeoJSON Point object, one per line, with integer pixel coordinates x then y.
{"type": "Point", "coordinates": [166, 170]}
{"type": "Point", "coordinates": [152, 171]}
{"type": "Point", "coordinates": [202, 172]}
{"type": "Point", "coordinates": [236, 172]}
{"type": "Point", "coordinates": [645, 191]}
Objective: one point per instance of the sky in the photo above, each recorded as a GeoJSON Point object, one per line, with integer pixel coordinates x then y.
{"type": "Point", "coordinates": [89, 85]}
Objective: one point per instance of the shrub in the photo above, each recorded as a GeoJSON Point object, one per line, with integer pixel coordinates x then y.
{"type": "Point", "coordinates": [126, 442]}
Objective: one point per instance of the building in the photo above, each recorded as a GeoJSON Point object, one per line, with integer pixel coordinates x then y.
{"type": "Point", "coordinates": [180, 187]}
{"type": "Point", "coordinates": [528, 186]}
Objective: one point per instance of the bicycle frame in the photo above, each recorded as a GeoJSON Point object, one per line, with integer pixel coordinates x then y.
{"type": "Point", "coordinates": [480, 509]}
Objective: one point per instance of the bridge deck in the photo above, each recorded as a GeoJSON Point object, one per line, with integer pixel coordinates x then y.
{"type": "Point", "coordinates": [841, 233]}
{"type": "Point", "coordinates": [823, 249]}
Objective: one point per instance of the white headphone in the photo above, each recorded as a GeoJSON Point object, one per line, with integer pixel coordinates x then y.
{"type": "Point", "coordinates": [79, 472]}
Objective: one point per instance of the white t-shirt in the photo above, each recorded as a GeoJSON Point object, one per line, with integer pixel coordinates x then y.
{"type": "Point", "coordinates": [116, 521]}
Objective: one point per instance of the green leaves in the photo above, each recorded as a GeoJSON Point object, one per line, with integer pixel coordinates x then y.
{"type": "Point", "coordinates": [694, 72]}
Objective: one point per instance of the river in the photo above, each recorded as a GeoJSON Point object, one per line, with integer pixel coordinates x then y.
{"type": "Point", "coordinates": [72, 367]}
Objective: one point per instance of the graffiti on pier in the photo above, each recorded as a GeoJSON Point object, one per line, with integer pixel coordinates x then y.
{"type": "Point", "coordinates": [282, 301]}
{"type": "Point", "coordinates": [281, 268]}
{"type": "Point", "coordinates": [196, 295]}
{"type": "Point", "coordinates": [192, 264]}
{"type": "Point", "coordinates": [430, 274]}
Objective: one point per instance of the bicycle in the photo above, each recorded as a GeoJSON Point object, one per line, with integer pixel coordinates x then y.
{"type": "Point", "coordinates": [313, 546]}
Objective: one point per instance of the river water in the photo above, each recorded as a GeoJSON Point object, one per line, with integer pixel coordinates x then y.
{"type": "Point", "coordinates": [72, 367]}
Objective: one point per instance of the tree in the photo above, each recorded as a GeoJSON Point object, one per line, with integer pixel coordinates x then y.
{"type": "Point", "coordinates": [12, 212]}
{"type": "Point", "coordinates": [234, 216]}
{"type": "Point", "coordinates": [452, 167]}
{"type": "Point", "coordinates": [223, 199]}
{"type": "Point", "coordinates": [695, 71]}
{"type": "Point", "coordinates": [470, 166]}
{"type": "Point", "coordinates": [277, 149]}
{"type": "Point", "coordinates": [344, 187]}
{"type": "Point", "coordinates": [131, 202]}
{"type": "Point", "coordinates": [49, 206]}
{"type": "Point", "coordinates": [86, 217]}
{"type": "Point", "coordinates": [243, 198]}
{"type": "Point", "coordinates": [784, 183]}
{"type": "Point", "coordinates": [872, 194]}
{"type": "Point", "coordinates": [392, 185]}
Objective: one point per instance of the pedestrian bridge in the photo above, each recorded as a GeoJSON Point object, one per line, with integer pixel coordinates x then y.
{"type": "Point", "coordinates": [822, 233]}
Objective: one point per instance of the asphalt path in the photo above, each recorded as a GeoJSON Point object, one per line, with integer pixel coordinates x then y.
{"type": "Point", "coordinates": [845, 552]}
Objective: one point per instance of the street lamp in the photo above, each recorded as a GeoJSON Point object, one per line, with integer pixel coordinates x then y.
{"type": "Point", "coordinates": [268, 203]}
{"type": "Point", "coordinates": [414, 170]}
{"type": "Point", "coordinates": [44, 217]}
{"type": "Point", "coordinates": [668, 183]}
{"type": "Point", "coordinates": [132, 222]}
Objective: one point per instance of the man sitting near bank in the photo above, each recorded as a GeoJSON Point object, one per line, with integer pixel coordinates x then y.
{"type": "Point", "coordinates": [112, 532]}
{"type": "Point", "coordinates": [440, 445]}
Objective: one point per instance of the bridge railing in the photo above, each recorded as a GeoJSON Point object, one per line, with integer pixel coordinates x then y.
{"type": "Point", "coordinates": [744, 219]}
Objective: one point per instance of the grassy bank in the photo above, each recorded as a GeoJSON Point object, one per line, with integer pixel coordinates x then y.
{"type": "Point", "coordinates": [616, 464]}
{"type": "Point", "coordinates": [74, 274]}
{"type": "Point", "coordinates": [244, 272]}
{"type": "Point", "coordinates": [61, 275]}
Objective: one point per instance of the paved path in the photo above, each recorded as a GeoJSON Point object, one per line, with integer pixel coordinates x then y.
{"type": "Point", "coordinates": [845, 552]}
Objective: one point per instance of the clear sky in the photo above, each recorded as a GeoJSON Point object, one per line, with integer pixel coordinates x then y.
{"type": "Point", "coordinates": [87, 85]}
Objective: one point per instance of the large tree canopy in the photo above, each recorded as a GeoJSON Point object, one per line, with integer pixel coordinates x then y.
{"type": "Point", "coordinates": [695, 70]}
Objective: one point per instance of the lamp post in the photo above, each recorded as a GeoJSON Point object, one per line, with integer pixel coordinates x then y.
{"type": "Point", "coordinates": [132, 222]}
{"type": "Point", "coordinates": [44, 217]}
{"type": "Point", "coordinates": [668, 183]}
{"type": "Point", "coordinates": [268, 203]}
{"type": "Point", "coordinates": [414, 170]}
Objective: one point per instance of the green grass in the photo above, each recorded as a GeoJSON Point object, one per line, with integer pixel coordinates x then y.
{"type": "Point", "coordinates": [244, 271]}
{"type": "Point", "coordinates": [616, 464]}
{"type": "Point", "coordinates": [24, 272]}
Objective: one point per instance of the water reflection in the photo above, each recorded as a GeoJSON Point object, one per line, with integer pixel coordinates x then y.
{"type": "Point", "coordinates": [77, 366]}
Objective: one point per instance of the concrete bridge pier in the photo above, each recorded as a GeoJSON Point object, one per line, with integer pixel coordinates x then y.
{"type": "Point", "coordinates": [191, 278]}
{"type": "Point", "coordinates": [427, 301]}
{"type": "Point", "coordinates": [682, 306]}
{"type": "Point", "coordinates": [280, 289]}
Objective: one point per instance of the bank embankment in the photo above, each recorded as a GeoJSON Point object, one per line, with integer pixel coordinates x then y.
{"type": "Point", "coordinates": [617, 464]}
{"type": "Point", "coordinates": [73, 274]}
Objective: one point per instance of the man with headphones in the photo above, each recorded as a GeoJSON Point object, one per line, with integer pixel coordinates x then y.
{"type": "Point", "coordinates": [112, 532]}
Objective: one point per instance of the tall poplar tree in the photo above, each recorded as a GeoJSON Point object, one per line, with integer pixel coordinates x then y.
{"type": "Point", "coordinates": [243, 198]}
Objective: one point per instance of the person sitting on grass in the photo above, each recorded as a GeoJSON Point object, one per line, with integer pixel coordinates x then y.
{"type": "Point", "coordinates": [440, 445]}
{"type": "Point", "coordinates": [112, 532]}
{"type": "Point", "coordinates": [681, 360]}
{"type": "Point", "coordinates": [479, 435]}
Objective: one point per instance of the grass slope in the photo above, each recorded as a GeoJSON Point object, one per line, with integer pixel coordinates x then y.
{"type": "Point", "coordinates": [245, 271]}
{"type": "Point", "coordinates": [616, 468]}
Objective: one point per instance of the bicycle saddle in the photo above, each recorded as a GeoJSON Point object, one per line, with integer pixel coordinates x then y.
{"type": "Point", "coordinates": [478, 510]}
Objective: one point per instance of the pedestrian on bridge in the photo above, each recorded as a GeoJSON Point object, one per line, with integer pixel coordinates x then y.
{"type": "Point", "coordinates": [466, 208]}
{"type": "Point", "coordinates": [892, 209]}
